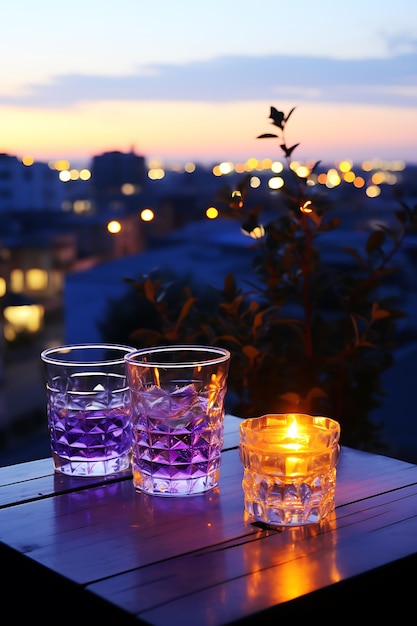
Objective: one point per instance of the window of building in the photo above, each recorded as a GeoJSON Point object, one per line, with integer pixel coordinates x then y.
{"type": "Point", "coordinates": [36, 279]}
{"type": "Point", "coordinates": [17, 280]}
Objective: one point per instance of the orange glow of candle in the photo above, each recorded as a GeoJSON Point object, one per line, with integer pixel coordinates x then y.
{"type": "Point", "coordinates": [289, 467]}
{"type": "Point", "coordinates": [292, 431]}
{"type": "Point", "coordinates": [292, 464]}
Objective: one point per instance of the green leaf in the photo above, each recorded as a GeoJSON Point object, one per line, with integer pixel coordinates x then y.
{"type": "Point", "coordinates": [230, 285]}
{"type": "Point", "coordinates": [316, 392]}
{"type": "Point", "coordinates": [277, 117]}
{"type": "Point", "coordinates": [251, 352]}
{"type": "Point", "coordinates": [291, 397]}
{"type": "Point", "coordinates": [355, 328]}
{"type": "Point", "coordinates": [354, 253]}
{"type": "Point", "coordinates": [375, 241]}
{"type": "Point", "coordinates": [266, 136]}
{"type": "Point", "coordinates": [289, 151]}
{"type": "Point", "coordinates": [149, 289]}
{"type": "Point", "coordinates": [186, 309]}
{"type": "Point", "coordinates": [380, 314]}
{"type": "Point", "coordinates": [366, 344]}
{"type": "Point", "coordinates": [146, 337]}
{"type": "Point", "coordinates": [289, 114]}
{"type": "Point", "coordinates": [403, 215]}
{"type": "Point", "coordinates": [230, 338]}
{"type": "Point", "coordinates": [258, 319]}
{"type": "Point", "coordinates": [315, 166]}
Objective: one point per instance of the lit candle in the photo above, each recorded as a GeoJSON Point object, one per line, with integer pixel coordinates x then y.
{"type": "Point", "coordinates": [297, 465]}
{"type": "Point", "coordinates": [290, 467]}
{"type": "Point", "coordinates": [291, 440]}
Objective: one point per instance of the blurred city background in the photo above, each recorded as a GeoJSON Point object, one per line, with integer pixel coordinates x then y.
{"type": "Point", "coordinates": [69, 238]}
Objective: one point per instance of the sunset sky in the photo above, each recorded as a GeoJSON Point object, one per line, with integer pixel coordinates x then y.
{"type": "Point", "coordinates": [189, 81]}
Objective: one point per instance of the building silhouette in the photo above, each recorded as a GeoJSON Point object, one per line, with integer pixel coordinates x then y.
{"type": "Point", "coordinates": [117, 180]}
{"type": "Point", "coordinates": [28, 188]}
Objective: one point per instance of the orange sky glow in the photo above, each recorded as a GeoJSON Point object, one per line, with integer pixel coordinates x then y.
{"type": "Point", "coordinates": [208, 132]}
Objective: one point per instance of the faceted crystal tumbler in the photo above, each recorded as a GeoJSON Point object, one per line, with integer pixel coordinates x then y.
{"type": "Point", "coordinates": [289, 463]}
{"type": "Point", "coordinates": [177, 398]}
{"type": "Point", "coordinates": [88, 407]}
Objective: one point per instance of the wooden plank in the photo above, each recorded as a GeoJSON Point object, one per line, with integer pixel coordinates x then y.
{"type": "Point", "coordinates": [157, 556]}
{"type": "Point", "coordinates": [43, 587]}
{"type": "Point", "coordinates": [361, 475]}
{"type": "Point", "coordinates": [102, 530]}
{"type": "Point", "coordinates": [11, 474]}
{"type": "Point", "coordinates": [233, 581]}
{"type": "Point", "coordinates": [96, 532]}
{"type": "Point", "coordinates": [49, 485]}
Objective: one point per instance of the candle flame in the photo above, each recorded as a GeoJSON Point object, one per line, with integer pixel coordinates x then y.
{"type": "Point", "coordinates": [292, 431]}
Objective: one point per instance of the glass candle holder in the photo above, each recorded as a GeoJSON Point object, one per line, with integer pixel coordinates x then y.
{"type": "Point", "coordinates": [289, 465]}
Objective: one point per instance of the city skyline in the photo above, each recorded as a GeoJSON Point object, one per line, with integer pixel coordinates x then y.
{"type": "Point", "coordinates": [180, 82]}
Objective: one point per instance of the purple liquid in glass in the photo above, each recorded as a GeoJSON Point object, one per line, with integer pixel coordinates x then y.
{"type": "Point", "coordinates": [90, 441]}
{"type": "Point", "coordinates": [177, 439]}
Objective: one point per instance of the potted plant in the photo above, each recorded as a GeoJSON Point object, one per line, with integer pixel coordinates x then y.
{"type": "Point", "coordinates": [305, 335]}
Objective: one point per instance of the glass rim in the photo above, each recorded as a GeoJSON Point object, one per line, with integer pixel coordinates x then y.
{"type": "Point", "coordinates": [46, 355]}
{"type": "Point", "coordinates": [215, 355]}
{"type": "Point", "coordinates": [265, 422]}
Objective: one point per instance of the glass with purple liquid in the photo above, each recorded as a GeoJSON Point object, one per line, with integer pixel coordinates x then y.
{"type": "Point", "coordinates": [177, 399]}
{"type": "Point", "coordinates": [88, 407]}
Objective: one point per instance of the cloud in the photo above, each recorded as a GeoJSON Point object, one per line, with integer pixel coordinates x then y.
{"type": "Point", "coordinates": [400, 43]}
{"type": "Point", "coordinates": [388, 82]}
